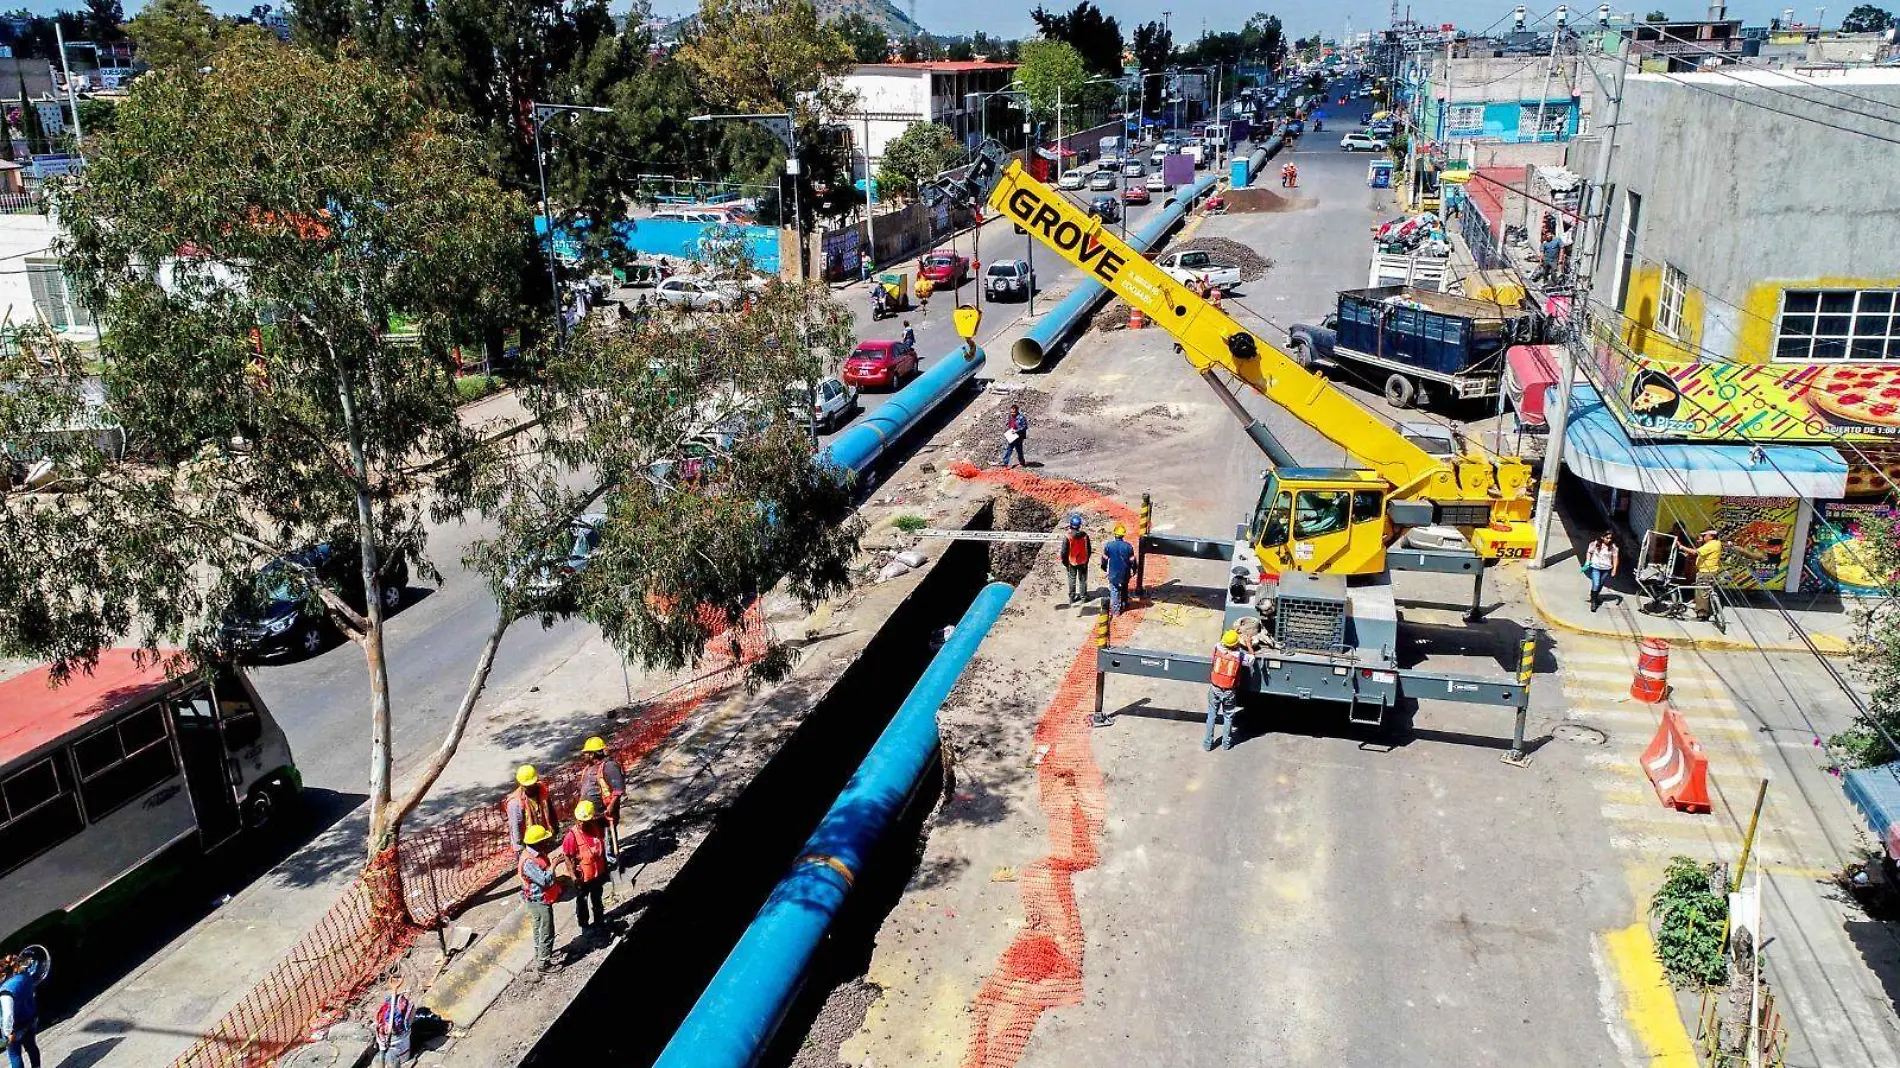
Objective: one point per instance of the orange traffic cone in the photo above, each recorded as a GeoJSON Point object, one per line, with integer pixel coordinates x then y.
{"type": "Point", "coordinates": [1651, 683]}
{"type": "Point", "coordinates": [1136, 320]}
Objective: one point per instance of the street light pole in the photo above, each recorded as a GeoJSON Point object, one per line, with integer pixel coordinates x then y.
{"type": "Point", "coordinates": [784, 126]}
{"type": "Point", "coordinates": [539, 115]}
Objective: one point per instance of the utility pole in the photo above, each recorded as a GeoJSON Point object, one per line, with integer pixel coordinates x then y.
{"type": "Point", "coordinates": [72, 97]}
{"type": "Point", "coordinates": [1559, 417]}
{"type": "Point", "coordinates": [1556, 36]}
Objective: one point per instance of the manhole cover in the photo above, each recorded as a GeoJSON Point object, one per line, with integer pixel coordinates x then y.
{"type": "Point", "coordinates": [1577, 732]}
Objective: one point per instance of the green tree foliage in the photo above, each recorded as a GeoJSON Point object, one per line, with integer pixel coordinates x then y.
{"type": "Point", "coordinates": [1866, 18]}
{"type": "Point", "coordinates": [1154, 50]}
{"type": "Point", "coordinates": [1876, 550]}
{"type": "Point", "coordinates": [97, 116]}
{"type": "Point", "coordinates": [922, 150]}
{"type": "Point", "coordinates": [868, 41]}
{"type": "Point", "coordinates": [1656, 16]}
{"type": "Point", "coordinates": [105, 20]}
{"type": "Point", "coordinates": [1096, 36]}
{"type": "Point", "coordinates": [175, 34]}
{"type": "Point", "coordinates": [1691, 913]}
{"type": "Point", "coordinates": [1049, 68]}
{"type": "Point", "coordinates": [759, 55]}
{"type": "Point", "coordinates": [1264, 39]}
{"type": "Point", "coordinates": [249, 283]}
{"type": "Point", "coordinates": [32, 130]}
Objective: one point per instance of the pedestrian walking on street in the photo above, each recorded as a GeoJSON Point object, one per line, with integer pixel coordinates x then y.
{"type": "Point", "coordinates": [527, 805]}
{"type": "Point", "coordinates": [590, 857]}
{"type": "Point", "coordinates": [910, 335]}
{"type": "Point", "coordinates": [395, 1017]}
{"type": "Point", "coordinates": [1601, 561]}
{"type": "Point", "coordinates": [1076, 551]}
{"type": "Point", "coordinates": [540, 889]}
{"type": "Point", "coordinates": [1118, 563]}
{"type": "Point", "coordinates": [1222, 681]}
{"type": "Point", "coordinates": [1708, 568]}
{"type": "Point", "coordinates": [19, 1007]}
{"type": "Point", "coordinates": [1015, 432]}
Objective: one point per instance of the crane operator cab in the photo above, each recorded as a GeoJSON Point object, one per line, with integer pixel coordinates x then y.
{"type": "Point", "coordinates": [1330, 520]}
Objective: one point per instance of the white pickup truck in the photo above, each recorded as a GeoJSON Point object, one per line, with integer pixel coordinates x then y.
{"type": "Point", "coordinates": [1190, 265]}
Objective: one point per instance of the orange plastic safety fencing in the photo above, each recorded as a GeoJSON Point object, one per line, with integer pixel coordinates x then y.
{"type": "Point", "coordinates": [1042, 967]}
{"type": "Point", "coordinates": [428, 878]}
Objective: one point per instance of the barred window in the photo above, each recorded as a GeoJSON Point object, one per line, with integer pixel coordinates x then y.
{"type": "Point", "coordinates": [1464, 117]}
{"type": "Point", "coordinates": [1838, 324]}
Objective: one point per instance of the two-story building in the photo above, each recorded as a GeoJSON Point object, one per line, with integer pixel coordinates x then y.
{"type": "Point", "coordinates": [895, 95]}
{"type": "Point", "coordinates": [1744, 368]}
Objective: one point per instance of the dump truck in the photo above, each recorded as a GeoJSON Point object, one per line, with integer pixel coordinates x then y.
{"type": "Point", "coordinates": [1416, 345]}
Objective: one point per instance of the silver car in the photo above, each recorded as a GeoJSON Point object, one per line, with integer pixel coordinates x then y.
{"type": "Point", "coordinates": [1134, 169]}
{"type": "Point", "coordinates": [1104, 180]}
{"type": "Point", "coordinates": [1009, 280]}
{"type": "Point", "coordinates": [1072, 180]}
{"type": "Point", "coordinates": [695, 294]}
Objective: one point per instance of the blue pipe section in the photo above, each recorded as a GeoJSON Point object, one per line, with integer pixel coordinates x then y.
{"type": "Point", "coordinates": [737, 1015]}
{"type": "Point", "coordinates": [1261, 155]}
{"type": "Point", "coordinates": [1075, 309]}
{"type": "Point", "coordinates": [859, 447]}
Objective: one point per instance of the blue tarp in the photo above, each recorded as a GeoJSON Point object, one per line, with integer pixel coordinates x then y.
{"type": "Point", "coordinates": [1600, 450]}
{"type": "Point", "coordinates": [1876, 792]}
{"type": "Point", "coordinates": [678, 239]}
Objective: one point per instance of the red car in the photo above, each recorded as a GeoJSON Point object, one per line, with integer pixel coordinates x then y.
{"type": "Point", "coordinates": [883, 364]}
{"type": "Point", "coordinates": [945, 269]}
{"type": "Point", "coordinates": [1136, 194]}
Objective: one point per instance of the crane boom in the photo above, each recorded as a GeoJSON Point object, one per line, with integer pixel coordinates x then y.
{"type": "Point", "coordinates": [1210, 338]}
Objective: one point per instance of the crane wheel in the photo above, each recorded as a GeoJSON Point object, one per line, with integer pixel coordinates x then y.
{"type": "Point", "coordinates": [1399, 391]}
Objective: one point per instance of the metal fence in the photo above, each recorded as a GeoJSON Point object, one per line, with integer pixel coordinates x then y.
{"type": "Point", "coordinates": [426, 880]}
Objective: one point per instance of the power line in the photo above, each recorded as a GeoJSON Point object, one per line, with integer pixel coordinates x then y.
{"type": "Point", "coordinates": [1797, 79]}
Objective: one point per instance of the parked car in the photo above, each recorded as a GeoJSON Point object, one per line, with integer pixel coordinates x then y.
{"type": "Point", "coordinates": [1382, 130]}
{"type": "Point", "coordinates": [1009, 280]}
{"type": "Point", "coordinates": [1108, 209]}
{"type": "Point", "coordinates": [831, 403]}
{"type": "Point", "coordinates": [880, 363]}
{"type": "Point", "coordinates": [1362, 142]}
{"type": "Point", "coordinates": [1104, 180]}
{"type": "Point", "coordinates": [279, 611]}
{"type": "Point", "coordinates": [1072, 180]}
{"type": "Point", "coordinates": [696, 294]}
{"type": "Point", "coordinates": [945, 268]}
{"type": "Point", "coordinates": [1156, 183]}
{"type": "Point", "coordinates": [1134, 169]}
{"type": "Point", "coordinates": [544, 575]}
{"type": "Point", "coordinates": [1192, 265]}
{"type": "Point", "coordinates": [1137, 194]}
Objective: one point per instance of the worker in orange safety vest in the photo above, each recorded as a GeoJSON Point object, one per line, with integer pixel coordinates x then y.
{"type": "Point", "coordinates": [527, 805]}
{"type": "Point", "coordinates": [1231, 656]}
{"type": "Point", "coordinates": [590, 857]}
{"type": "Point", "coordinates": [540, 889]}
{"type": "Point", "coordinates": [602, 780]}
{"type": "Point", "coordinates": [1076, 550]}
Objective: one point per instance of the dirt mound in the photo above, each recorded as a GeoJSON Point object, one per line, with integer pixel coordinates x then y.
{"type": "Point", "coordinates": [1252, 264]}
{"type": "Point", "coordinates": [1011, 560]}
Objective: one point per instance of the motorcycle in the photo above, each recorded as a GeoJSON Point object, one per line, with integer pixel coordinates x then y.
{"type": "Point", "coordinates": [881, 304]}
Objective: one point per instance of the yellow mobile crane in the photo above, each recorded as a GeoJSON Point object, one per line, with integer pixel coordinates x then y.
{"type": "Point", "coordinates": [1314, 529]}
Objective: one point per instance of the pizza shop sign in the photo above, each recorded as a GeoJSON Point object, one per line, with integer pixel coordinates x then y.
{"type": "Point", "coordinates": [1749, 403]}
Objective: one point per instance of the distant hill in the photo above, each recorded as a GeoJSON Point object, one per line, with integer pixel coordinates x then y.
{"type": "Point", "coordinates": [884, 13]}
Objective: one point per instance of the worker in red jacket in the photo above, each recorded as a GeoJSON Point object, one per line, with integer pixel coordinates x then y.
{"type": "Point", "coordinates": [1223, 685]}
{"type": "Point", "coordinates": [1076, 550]}
{"type": "Point", "coordinates": [590, 858]}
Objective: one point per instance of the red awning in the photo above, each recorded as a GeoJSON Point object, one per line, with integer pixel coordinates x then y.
{"type": "Point", "coordinates": [1530, 370]}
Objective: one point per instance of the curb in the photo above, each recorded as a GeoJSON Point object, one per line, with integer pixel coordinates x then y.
{"type": "Point", "coordinates": [1827, 644]}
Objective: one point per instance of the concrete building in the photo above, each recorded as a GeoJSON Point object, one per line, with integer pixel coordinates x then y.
{"type": "Point", "coordinates": [1685, 46]}
{"type": "Point", "coordinates": [1744, 369]}
{"type": "Point", "coordinates": [33, 288]}
{"type": "Point", "coordinates": [1498, 100]}
{"type": "Point", "coordinates": [932, 91]}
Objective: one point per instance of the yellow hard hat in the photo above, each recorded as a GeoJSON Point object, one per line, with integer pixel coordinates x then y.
{"type": "Point", "coordinates": [596, 744]}
{"type": "Point", "coordinates": [1230, 639]}
{"type": "Point", "coordinates": [536, 835]}
{"type": "Point", "coordinates": [1120, 530]}
{"type": "Point", "coordinates": [526, 776]}
{"type": "Point", "coordinates": [584, 811]}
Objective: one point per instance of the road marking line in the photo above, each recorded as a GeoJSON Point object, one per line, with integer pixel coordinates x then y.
{"type": "Point", "coordinates": [1649, 1006]}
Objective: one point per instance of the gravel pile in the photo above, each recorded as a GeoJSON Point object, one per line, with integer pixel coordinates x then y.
{"type": "Point", "coordinates": [1113, 316]}
{"type": "Point", "coordinates": [1084, 404]}
{"type": "Point", "coordinates": [839, 1019]}
{"type": "Point", "coordinates": [1252, 264]}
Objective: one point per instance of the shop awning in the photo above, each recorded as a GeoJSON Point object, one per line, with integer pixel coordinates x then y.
{"type": "Point", "coordinates": [1876, 792]}
{"type": "Point", "coordinates": [1599, 450]}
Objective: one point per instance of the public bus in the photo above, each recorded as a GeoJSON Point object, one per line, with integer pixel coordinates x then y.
{"type": "Point", "coordinates": [108, 775]}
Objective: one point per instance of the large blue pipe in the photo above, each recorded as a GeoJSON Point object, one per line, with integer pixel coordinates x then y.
{"type": "Point", "coordinates": [739, 1011]}
{"type": "Point", "coordinates": [867, 439]}
{"type": "Point", "coordinates": [1264, 153]}
{"type": "Point", "coordinates": [1074, 311]}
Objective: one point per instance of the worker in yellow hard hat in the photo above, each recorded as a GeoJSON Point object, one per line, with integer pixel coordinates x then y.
{"type": "Point", "coordinates": [1231, 658]}
{"type": "Point", "coordinates": [591, 857]}
{"type": "Point", "coordinates": [540, 889]}
{"type": "Point", "coordinates": [1118, 562]}
{"type": "Point", "coordinates": [603, 781]}
{"type": "Point", "coordinates": [527, 806]}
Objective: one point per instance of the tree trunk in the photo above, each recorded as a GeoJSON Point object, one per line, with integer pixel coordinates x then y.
{"type": "Point", "coordinates": [477, 682]}
{"type": "Point", "coordinates": [381, 836]}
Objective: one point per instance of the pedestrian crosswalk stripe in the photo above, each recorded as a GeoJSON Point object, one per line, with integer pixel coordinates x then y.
{"type": "Point", "coordinates": [1648, 720]}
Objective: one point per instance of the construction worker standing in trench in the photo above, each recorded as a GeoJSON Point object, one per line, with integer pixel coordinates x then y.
{"type": "Point", "coordinates": [527, 806]}
{"type": "Point", "coordinates": [540, 889]}
{"type": "Point", "coordinates": [1230, 657]}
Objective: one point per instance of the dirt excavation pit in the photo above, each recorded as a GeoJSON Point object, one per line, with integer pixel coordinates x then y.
{"type": "Point", "coordinates": [1011, 560]}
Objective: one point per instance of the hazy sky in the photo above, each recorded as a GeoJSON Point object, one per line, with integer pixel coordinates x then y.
{"type": "Point", "coordinates": [1010, 18]}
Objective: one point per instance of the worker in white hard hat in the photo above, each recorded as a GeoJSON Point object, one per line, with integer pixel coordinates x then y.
{"type": "Point", "coordinates": [1231, 657]}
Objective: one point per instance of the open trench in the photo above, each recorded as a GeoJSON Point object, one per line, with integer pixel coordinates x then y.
{"type": "Point", "coordinates": [652, 978]}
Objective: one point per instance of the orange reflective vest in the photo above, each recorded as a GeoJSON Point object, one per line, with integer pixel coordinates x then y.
{"type": "Point", "coordinates": [532, 803]}
{"type": "Point", "coordinates": [588, 850]}
{"type": "Point", "coordinates": [1226, 668]}
{"type": "Point", "coordinates": [548, 894]}
{"type": "Point", "coordinates": [1076, 549]}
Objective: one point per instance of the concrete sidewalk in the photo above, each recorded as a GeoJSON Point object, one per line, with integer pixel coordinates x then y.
{"type": "Point", "coordinates": [1789, 623]}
